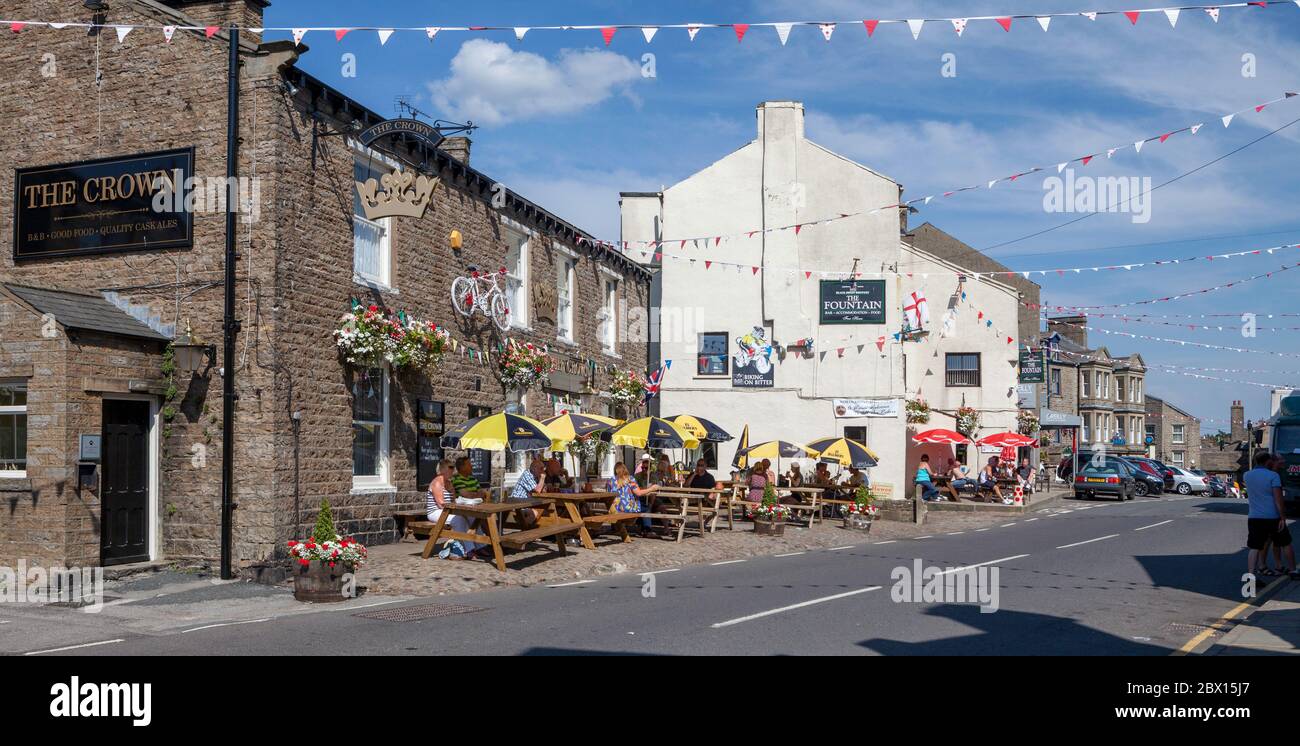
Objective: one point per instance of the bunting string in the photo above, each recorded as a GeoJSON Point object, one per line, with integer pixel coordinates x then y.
{"type": "Point", "coordinates": [1167, 298]}
{"type": "Point", "coordinates": [1181, 342]}
{"type": "Point", "coordinates": [1193, 327]}
{"type": "Point", "coordinates": [1192, 371]}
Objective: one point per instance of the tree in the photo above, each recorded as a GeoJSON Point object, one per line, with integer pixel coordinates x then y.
{"type": "Point", "coordinates": [324, 530]}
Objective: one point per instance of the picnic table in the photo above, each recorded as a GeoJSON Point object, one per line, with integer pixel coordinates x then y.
{"type": "Point", "coordinates": [483, 519]}
{"type": "Point", "coordinates": [572, 504]}
{"type": "Point", "coordinates": [704, 501]}
{"type": "Point", "coordinates": [816, 494]}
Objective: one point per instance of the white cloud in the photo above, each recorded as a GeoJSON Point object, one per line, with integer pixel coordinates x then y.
{"type": "Point", "coordinates": [491, 83]}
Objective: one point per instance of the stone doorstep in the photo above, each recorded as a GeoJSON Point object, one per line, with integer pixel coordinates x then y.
{"type": "Point", "coordinates": [118, 572]}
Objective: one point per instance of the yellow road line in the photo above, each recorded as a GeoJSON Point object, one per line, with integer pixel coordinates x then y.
{"type": "Point", "coordinates": [1204, 634]}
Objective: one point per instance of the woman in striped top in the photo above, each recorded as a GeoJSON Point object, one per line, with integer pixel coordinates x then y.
{"type": "Point", "coordinates": [435, 501]}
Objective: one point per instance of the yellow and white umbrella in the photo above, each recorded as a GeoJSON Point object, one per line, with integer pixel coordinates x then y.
{"type": "Point", "coordinates": [652, 432]}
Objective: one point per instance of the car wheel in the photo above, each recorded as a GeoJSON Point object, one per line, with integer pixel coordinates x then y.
{"type": "Point", "coordinates": [1140, 489]}
{"type": "Point", "coordinates": [1184, 488]}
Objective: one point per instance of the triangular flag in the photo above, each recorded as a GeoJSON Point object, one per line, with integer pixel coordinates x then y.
{"type": "Point", "coordinates": [798, 228]}
{"type": "Point", "coordinates": [1132, 16]}
{"type": "Point", "coordinates": [168, 32]}
{"type": "Point", "coordinates": [1165, 136]}
{"type": "Point", "coordinates": [717, 240]}
{"type": "Point", "coordinates": [1196, 127]}
{"type": "Point", "coordinates": [1228, 119]}
{"type": "Point", "coordinates": [384, 33]}
{"type": "Point", "coordinates": [871, 26]}
{"type": "Point", "coordinates": [1005, 23]}
{"type": "Point", "coordinates": [1008, 340]}
{"type": "Point", "coordinates": [1089, 16]}
{"type": "Point", "coordinates": [122, 31]}
{"type": "Point", "coordinates": [298, 33]}
{"type": "Point", "coordinates": [915, 24]}
{"type": "Point", "coordinates": [827, 30]}
{"type": "Point", "coordinates": [755, 270]}
{"type": "Point", "coordinates": [959, 25]}
{"type": "Point", "coordinates": [708, 263]}
{"type": "Point", "coordinates": [1044, 21]}
{"type": "Point", "coordinates": [692, 30]}
{"type": "Point", "coordinates": [1060, 167]}
{"type": "Point", "coordinates": [740, 29]}
{"type": "Point", "coordinates": [339, 33]}
{"type": "Point", "coordinates": [807, 275]}
{"type": "Point", "coordinates": [1111, 152]}
{"type": "Point", "coordinates": [520, 31]}
{"type": "Point", "coordinates": [1260, 108]}
{"type": "Point", "coordinates": [991, 183]}
{"type": "Point", "coordinates": [1214, 13]}
{"type": "Point", "coordinates": [16, 26]}
{"type": "Point", "coordinates": [608, 33]}
{"type": "Point", "coordinates": [1138, 145]}
{"type": "Point", "coordinates": [208, 31]}
{"type": "Point", "coordinates": [649, 32]}
{"type": "Point", "coordinates": [783, 31]}
{"type": "Point", "coordinates": [1172, 14]}
{"type": "Point", "coordinates": [927, 199]}
{"type": "Point", "coordinates": [880, 344]}
{"type": "Point", "coordinates": [431, 31]}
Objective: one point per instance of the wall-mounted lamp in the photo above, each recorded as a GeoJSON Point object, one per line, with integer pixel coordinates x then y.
{"type": "Point", "coordinates": [456, 241]}
{"type": "Point", "coordinates": [190, 354]}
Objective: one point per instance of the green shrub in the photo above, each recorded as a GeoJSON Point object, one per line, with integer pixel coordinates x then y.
{"type": "Point", "coordinates": [324, 530]}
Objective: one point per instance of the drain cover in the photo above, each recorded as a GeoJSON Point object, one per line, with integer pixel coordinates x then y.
{"type": "Point", "coordinates": [1191, 628]}
{"type": "Point", "coordinates": [416, 613]}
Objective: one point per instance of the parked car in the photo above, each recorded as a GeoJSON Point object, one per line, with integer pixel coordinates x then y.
{"type": "Point", "coordinates": [1167, 472]}
{"type": "Point", "coordinates": [1187, 483]}
{"type": "Point", "coordinates": [1111, 476]}
{"type": "Point", "coordinates": [1218, 488]}
{"type": "Point", "coordinates": [1147, 480]}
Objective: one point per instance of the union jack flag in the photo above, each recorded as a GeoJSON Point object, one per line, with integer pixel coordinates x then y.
{"type": "Point", "coordinates": [655, 380]}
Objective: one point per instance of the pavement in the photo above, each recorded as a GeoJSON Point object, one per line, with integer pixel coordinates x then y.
{"type": "Point", "coordinates": [1146, 577]}
{"type": "Point", "coordinates": [1270, 628]}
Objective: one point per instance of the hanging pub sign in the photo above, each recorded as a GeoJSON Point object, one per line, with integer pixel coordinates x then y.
{"type": "Point", "coordinates": [1033, 365]}
{"type": "Point", "coordinates": [752, 363]}
{"type": "Point", "coordinates": [430, 420]}
{"type": "Point", "coordinates": [402, 127]}
{"type": "Point", "coordinates": [124, 203]}
{"type": "Point", "coordinates": [852, 301]}
{"type": "Point", "coordinates": [397, 194]}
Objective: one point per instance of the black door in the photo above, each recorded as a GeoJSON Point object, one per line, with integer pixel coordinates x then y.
{"type": "Point", "coordinates": [125, 482]}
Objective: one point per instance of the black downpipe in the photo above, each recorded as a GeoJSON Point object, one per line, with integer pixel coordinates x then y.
{"type": "Point", "coordinates": [230, 325]}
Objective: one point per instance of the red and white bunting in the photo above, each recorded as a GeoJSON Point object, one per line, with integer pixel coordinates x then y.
{"type": "Point", "coordinates": [649, 33]}
{"type": "Point", "coordinates": [827, 30]}
{"type": "Point", "coordinates": [384, 34]}
{"type": "Point", "coordinates": [915, 25]}
{"type": "Point", "coordinates": [959, 25]}
{"type": "Point", "coordinates": [783, 31]}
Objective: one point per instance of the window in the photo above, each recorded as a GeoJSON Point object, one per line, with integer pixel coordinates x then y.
{"type": "Point", "coordinates": [370, 428]}
{"type": "Point", "coordinates": [856, 432]}
{"type": "Point", "coordinates": [1054, 387]}
{"type": "Point", "coordinates": [609, 317]}
{"type": "Point", "coordinates": [371, 239]}
{"type": "Point", "coordinates": [707, 451]}
{"type": "Point", "coordinates": [1134, 427]}
{"type": "Point", "coordinates": [565, 275]}
{"type": "Point", "coordinates": [1084, 377]}
{"type": "Point", "coordinates": [1178, 434]}
{"type": "Point", "coordinates": [1100, 388]}
{"type": "Point", "coordinates": [1178, 457]}
{"type": "Point", "coordinates": [1119, 426]}
{"type": "Point", "coordinates": [1151, 432]}
{"type": "Point", "coordinates": [962, 368]}
{"type": "Point", "coordinates": [713, 354]}
{"type": "Point", "coordinates": [1119, 388]}
{"type": "Point", "coordinates": [13, 429]}
{"type": "Point", "coordinates": [1137, 391]}
{"type": "Point", "coordinates": [516, 289]}
{"type": "Point", "coordinates": [1087, 427]}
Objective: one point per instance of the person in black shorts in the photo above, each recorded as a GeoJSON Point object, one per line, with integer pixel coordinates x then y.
{"type": "Point", "coordinates": [1265, 522]}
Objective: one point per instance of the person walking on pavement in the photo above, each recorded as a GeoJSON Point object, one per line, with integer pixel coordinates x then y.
{"type": "Point", "coordinates": [1265, 518]}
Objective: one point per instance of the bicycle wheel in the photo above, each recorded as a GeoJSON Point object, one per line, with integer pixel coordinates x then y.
{"type": "Point", "coordinates": [462, 295]}
{"type": "Point", "coordinates": [500, 311]}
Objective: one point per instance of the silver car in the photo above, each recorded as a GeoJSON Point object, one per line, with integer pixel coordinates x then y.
{"type": "Point", "coordinates": [1187, 483]}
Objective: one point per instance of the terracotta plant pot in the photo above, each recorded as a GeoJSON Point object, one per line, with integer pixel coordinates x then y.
{"type": "Point", "coordinates": [317, 582]}
{"type": "Point", "coordinates": [769, 528]}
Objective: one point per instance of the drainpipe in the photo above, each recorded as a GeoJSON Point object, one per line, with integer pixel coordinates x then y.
{"type": "Point", "coordinates": [230, 326]}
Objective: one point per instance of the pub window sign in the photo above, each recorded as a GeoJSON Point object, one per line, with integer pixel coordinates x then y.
{"type": "Point", "coordinates": [107, 205]}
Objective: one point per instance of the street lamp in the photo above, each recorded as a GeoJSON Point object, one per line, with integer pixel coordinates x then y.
{"type": "Point", "coordinates": [190, 354]}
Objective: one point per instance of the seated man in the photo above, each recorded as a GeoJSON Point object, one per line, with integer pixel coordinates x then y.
{"type": "Point", "coordinates": [465, 483]}
{"type": "Point", "coordinates": [958, 478]}
{"type": "Point", "coordinates": [701, 479]}
{"type": "Point", "coordinates": [530, 483]}
{"type": "Point", "coordinates": [557, 477]}
{"type": "Point", "coordinates": [1025, 475]}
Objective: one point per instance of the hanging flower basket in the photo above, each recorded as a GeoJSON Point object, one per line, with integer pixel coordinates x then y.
{"type": "Point", "coordinates": [918, 412]}
{"type": "Point", "coordinates": [524, 365]}
{"type": "Point", "coordinates": [627, 389]}
{"type": "Point", "coordinates": [1027, 422]}
{"type": "Point", "coordinates": [968, 421]}
{"type": "Point", "coordinates": [369, 337]}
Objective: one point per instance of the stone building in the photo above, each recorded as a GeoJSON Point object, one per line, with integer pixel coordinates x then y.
{"type": "Point", "coordinates": [115, 451]}
{"type": "Point", "coordinates": [1228, 456]}
{"type": "Point", "coordinates": [1105, 391]}
{"type": "Point", "coordinates": [1175, 434]}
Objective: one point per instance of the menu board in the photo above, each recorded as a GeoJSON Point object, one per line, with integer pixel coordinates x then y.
{"type": "Point", "coordinates": [480, 460]}
{"type": "Point", "coordinates": [430, 422]}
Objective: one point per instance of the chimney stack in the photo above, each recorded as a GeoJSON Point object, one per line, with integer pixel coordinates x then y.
{"type": "Point", "coordinates": [457, 147]}
{"type": "Point", "coordinates": [1237, 420]}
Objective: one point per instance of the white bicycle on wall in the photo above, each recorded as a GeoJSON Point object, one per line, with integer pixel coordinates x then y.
{"type": "Point", "coordinates": [480, 291]}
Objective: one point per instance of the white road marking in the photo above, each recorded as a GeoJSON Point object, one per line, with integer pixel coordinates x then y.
{"type": "Point", "coordinates": [928, 536]}
{"type": "Point", "coordinates": [225, 624]}
{"type": "Point", "coordinates": [836, 549]}
{"type": "Point", "coordinates": [365, 606]}
{"type": "Point", "coordinates": [576, 582]}
{"type": "Point", "coordinates": [660, 572]}
{"type": "Point", "coordinates": [75, 647]}
{"type": "Point", "coordinates": [1030, 520]}
{"type": "Point", "coordinates": [789, 554]}
{"type": "Point", "coordinates": [982, 564]}
{"type": "Point", "coordinates": [1089, 541]}
{"type": "Point", "coordinates": [1154, 525]}
{"type": "Point", "coordinates": [980, 529]}
{"type": "Point", "coordinates": [1006, 525]}
{"type": "Point", "coordinates": [725, 562]}
{"type": "Point", "coordinates": [792, 607]}
{"type": "Point", "coordinates": [891, 541]}
{"type": "Point", "coordinates": [954, 533]}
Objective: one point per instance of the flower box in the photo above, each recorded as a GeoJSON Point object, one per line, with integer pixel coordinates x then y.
{"type": "Point", "coordinates": [764, 527]}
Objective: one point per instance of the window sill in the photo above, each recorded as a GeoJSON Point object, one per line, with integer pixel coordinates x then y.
{"type": "Point", "coordinates": [372, 489]}
{"type": "Point", "coordinates": [374, 284]}
{"type": "Point", "coordinates": [572, 345]}
{"type": "Point", "coordinates": [15, 481]}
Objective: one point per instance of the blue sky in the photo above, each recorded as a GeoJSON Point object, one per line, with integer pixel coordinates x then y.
{"type": "Point", "coordinates": [570, 123]}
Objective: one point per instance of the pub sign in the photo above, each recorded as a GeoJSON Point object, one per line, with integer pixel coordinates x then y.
{"type": "Point", "coordinates": [852, 301]}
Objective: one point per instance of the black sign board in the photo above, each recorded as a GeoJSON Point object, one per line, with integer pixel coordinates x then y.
{"type": "Point", "coordinates": [430, 422]}
{"type": "Point", "coordinates": [758, 374]}
{"type": "Point", "coordinates": [480, 460]}
{"type": "Point", "coordinates": [1033, 365]}
{"type": "Point", "coordinates": [852, 301]}
{"type": "Point", "coordinates": [398, 127]}
{"type": "Point", "coordinates": [128, 203]}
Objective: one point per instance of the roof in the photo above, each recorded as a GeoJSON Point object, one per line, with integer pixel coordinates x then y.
{"type": "Point", "coordinates": [84, 311]}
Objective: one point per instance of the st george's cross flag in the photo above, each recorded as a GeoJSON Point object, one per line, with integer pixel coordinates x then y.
{"type": "Point", "coordinates": [916, 312]}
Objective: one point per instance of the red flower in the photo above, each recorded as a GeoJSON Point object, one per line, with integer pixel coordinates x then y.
{"type": "Point", "coordinates": [303, 562]}
{"type": "Point", "coordinates": [293, 543]}
{"type": "Point", "coordinates": [373, 308]}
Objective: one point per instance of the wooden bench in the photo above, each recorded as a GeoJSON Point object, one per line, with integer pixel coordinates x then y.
{"type": "Point", "coordinates": [618, 521]}
{"type": "Point", "coordinates": [411, 523]}
{"type": "Point", "coordinates": [521, 539]}
{"type": "Point", "coordinates": [705, 514]}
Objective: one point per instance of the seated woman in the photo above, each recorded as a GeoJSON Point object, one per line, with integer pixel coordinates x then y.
{"type": "Point", "coordinates": [435, 501]}
{"type": "Point", "coordinates": [629, 495]}
{"type": "Point", "coordinates": [989, 477]}
{"type": "Point", "coordinates": [923, 480]}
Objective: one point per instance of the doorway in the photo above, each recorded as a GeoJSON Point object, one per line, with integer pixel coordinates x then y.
{"type": "Point", "coordinates": [126, 482]}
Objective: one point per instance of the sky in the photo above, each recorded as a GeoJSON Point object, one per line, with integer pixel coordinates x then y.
{"type": "Point", "coordinates": [570, 122]}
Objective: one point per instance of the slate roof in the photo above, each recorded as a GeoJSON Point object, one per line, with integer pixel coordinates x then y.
{"type": "Point", "coordinates": [84, 311]}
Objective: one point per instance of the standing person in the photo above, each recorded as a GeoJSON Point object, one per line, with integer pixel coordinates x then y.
{"type": "Point", "coordinates": [435, 501]}
{"type": "Point", "coordinates": [958, 478]}
{"type": "Point", "coordinates": [1265, 522]}
{"type": "Point", "coordinates": [923, 480]}
{"type": "Point", "coordinates": [465, 483]}
{"type": "Point", "coordinates": [629, 493]}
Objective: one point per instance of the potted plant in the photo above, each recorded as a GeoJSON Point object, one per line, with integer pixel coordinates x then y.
{"type": "Point", "coordinates": [968, 421]}
{"type": "Point", "coordinates": [861, 513]}
{"type": "Point", "coordinates": [769, 515]}
{"type": "Point", "coordinates": [918, 412]}
{"type": "Point", "coordinates": [1027, 422]}
{"type": "Point", "coordinates": [324, 561]}
{"type": "Point", "coordinates": [524, 365]}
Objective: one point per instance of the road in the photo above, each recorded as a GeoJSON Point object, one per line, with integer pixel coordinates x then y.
{"type": "Point", "coordinates": [1095, 578]}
